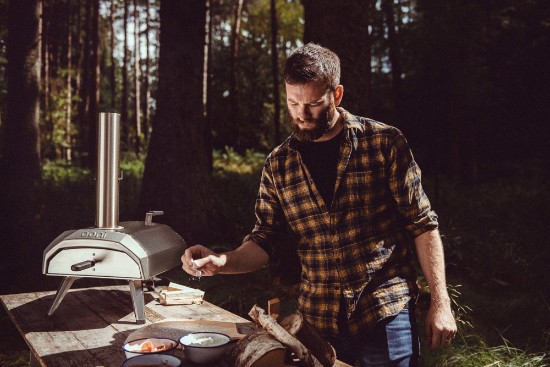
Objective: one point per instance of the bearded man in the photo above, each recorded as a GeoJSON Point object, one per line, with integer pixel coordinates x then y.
{"type": "Point", "coordinates": [349, 189]}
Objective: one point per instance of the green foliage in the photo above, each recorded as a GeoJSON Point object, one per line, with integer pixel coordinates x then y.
{"type": "Point", "coordinates": [471, 351]}
{"type": "Point", "coordinates": [229, 161]}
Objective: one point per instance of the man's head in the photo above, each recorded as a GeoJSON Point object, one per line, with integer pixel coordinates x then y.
{"type": "Point", "coordinates": [313, 63]}
{"type": "Point", "coordinates": [312, 77]}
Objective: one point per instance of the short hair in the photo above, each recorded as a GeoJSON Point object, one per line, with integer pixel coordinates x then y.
{"type": "Point", "coordinates": [313, 63]}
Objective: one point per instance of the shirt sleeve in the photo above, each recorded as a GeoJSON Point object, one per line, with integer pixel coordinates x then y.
{"type": "Point", "coordinates": [269, 217]}
{"type": "Point", "coordinates": [406, 188]}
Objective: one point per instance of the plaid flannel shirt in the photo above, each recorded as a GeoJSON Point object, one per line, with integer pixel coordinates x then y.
{"type": "Point", "coordinates": [361, 248]}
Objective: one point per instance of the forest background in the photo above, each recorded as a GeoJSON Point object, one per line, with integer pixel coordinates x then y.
{"type": "Point", "coordinates": [198, 87]}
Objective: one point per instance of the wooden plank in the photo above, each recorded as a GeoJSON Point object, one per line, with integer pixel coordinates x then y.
{"type": "Point", "coordinates": [48, 346]}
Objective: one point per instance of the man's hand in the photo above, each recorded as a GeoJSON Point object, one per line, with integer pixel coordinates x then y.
{"type": "Point", "coordinates": [440, 325]}
{"type": "Point", "coordinates": [201, 259]}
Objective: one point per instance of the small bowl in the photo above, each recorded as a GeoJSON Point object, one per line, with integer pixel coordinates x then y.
{"type": "Point", "coordinates": [203, 348]}
{"type": "Point", "coordinates": [149, 346]}
{"type": "Point", "coordinates": [152, 360]}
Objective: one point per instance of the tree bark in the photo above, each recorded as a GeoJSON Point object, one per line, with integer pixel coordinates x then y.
{"type": "Point", "coordinates": [206, 83]}
{"type": "Point", "coordinates": [146, 87]}
{"type": "Point", "coordinates": [85, 89]}
{"type": "Point", "coordinates": [352, 19]}
{"type": "Point", "coordinates": [20, 171]}
{"type": "Point", "coordinates": [176, 177]}
{"type": "Point", "coordinates": [124, 97]}
{"type": "Point", "coordinates": [137, 75]}
{"type": "Point", "coordinates": [112, 56]}
{"type": "Point", "coordinates": [259, 349]}
{"type": "Point", "coordinates": [94, 85]}
{"type": "Point", "coordinates": [297, 326]}
{"type": "Point", "coordinates": [395, 58]}
{"type": "Point", "coordinates": [275, 76]}
{"type": "Point", "coordinates": [268, 323]}
{"type": "Point", "coordinates": [68, 121]}
{"type": "Point", "coordinates": [233, 83]}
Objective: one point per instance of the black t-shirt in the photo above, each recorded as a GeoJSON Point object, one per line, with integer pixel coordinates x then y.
{"type": "Point", "coordinates": [321, 160]}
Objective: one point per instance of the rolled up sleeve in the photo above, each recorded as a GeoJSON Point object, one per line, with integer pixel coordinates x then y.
{"type": "Point", "coordinates": [268, 212]}
{"type": "Point", "coordinates": [406, 188]}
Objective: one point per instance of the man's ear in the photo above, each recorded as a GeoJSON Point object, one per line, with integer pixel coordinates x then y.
{"type": "Point", "coordinates": [338, 94]}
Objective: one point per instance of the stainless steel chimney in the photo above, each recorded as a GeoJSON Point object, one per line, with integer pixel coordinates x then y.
{"type": "Point", "coordinates": [107, 176]}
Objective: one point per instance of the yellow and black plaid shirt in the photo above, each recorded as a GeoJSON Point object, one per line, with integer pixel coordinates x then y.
{"type": "Point", "coordinates": [360, 247]}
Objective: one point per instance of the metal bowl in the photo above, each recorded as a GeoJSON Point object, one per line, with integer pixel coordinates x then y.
{"type": "Point", "coordinates": [204, 348]}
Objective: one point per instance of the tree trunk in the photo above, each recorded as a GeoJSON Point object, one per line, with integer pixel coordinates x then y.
{"type": "Point", "coordinates": [124, 97]}
{"type": "Point", "coordinates": [176, 177]}
{"type": "Point", "coordinates": [146, 88]}
{"type": "Point", "coordinates": [233, 84]}
{"type": "Point", "coordinates": [84, 108]}
{"type": "Point", "coordinates": [80, 48]}
{"type": "Point", "coordinates": [206, 83]}
{"type": "Point", "coordinates": [352, 19]}
{"type": "Point", "coordinates": [45, 78]}
{"type": "Point", "coordinates": [275, 75]}
{"type": "Point", "coordinates": [94, 85]}
{"type": "Point", "coordinates": [113, 60]}
{"type": "Point", "coordinates": [395, 58]}
{"type": "Point", "coordinates": [137, 75]}
{"type": "Point", "coordinates": [68, 131]}
{"type": "Point", "coordinates": [20, 171]}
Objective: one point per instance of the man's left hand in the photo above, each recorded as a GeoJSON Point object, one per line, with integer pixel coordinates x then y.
{"type": "Point", "coordinates": [440, 325]}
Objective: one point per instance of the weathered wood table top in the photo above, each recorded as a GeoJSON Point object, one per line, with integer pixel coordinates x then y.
{"type": "Point", "coordinates": [91, 324]}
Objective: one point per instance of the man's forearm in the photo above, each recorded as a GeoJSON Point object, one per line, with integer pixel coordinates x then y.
{"type": "Point", "coordinates": [429, 249]}
{"type": "Point", "coordinates": [246, 258]}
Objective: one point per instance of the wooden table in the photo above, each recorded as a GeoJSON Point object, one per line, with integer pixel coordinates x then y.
{"type": "Point", "coordinates": [91, 324]}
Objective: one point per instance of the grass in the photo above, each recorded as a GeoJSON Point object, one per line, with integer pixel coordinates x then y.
{"type": "Point", "coordinates": [493, 231]}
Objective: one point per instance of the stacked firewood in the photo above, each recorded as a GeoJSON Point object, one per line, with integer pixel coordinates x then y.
{"type": "Point", "coordinates": [292, 342]}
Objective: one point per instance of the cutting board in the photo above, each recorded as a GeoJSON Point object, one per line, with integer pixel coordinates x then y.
{"type": "Point", "coordinates": [175, 329]}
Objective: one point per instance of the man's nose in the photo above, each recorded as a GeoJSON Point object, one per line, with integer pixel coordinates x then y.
{"type": "Point", "coordinates": [304, 113]}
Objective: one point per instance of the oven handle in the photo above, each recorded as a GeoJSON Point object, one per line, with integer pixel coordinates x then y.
{"type": "Point", "coordinates": [82, 265]}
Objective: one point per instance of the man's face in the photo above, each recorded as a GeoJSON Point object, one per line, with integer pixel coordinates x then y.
{"type": "Point", "coordinates": [310, 110]}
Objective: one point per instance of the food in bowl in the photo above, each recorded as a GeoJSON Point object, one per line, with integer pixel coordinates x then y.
{"type": "Point", "coordinates": [206, 347]}
{"type": "Point", "coordinates": [148, 346]}
{"type": "Point", "coordinates": [152, 360]}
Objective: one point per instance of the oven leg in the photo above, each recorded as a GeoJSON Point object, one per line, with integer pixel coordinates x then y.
{"type": "Point", "coordinates": [61, 292]}
{"type": "Point", "coordinates": [138, 300]}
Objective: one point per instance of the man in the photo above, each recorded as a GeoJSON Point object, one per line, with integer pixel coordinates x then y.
{"type": "Point", "coordinates": [349, 189]}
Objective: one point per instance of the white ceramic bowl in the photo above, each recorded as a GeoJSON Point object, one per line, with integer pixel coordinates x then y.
{"type": "Point", "coordinates": [160, 360]}
{"type": "Point", "coordinates": [149, 346]}
{"type": "Point", "coordinates": [203, 348]}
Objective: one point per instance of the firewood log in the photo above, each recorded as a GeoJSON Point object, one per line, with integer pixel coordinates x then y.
{"type": "Point", "coordinates": [268, 323]}
{"type": "Point", "coordinates": [259, 349]}
{"type": "Point", "coordinates": [297, 325]}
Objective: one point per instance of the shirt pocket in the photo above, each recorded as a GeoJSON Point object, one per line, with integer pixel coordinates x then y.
{"type": "Point", "coordinates": [364, 189]}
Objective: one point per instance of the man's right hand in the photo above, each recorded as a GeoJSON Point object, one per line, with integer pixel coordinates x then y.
{"type": "Point", "coordinates": [200, 258]}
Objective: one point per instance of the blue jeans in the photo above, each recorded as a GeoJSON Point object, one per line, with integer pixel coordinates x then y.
{"type": "Point", "coordinates": [393, 342]}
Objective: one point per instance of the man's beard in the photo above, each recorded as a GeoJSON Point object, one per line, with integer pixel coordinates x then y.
{"type": "Point", "coordinates": [322, 124]}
